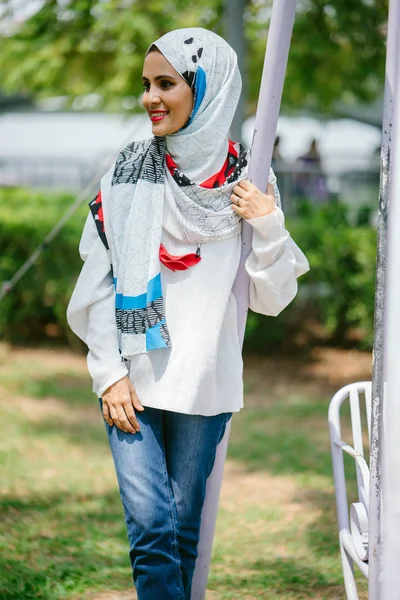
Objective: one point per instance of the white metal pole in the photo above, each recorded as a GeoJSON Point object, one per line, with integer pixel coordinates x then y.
{"type": "Point", "coordinates": [390, 585]}
{"type": "Point", "coordinates": [234, 35]}
{"type": "Point", "coordinates": [378, 372]}
{"type": "Point", "coordinates": [280, 32]}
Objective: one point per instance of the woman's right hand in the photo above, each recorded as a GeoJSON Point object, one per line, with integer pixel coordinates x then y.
{"type": "Point", "coordinates": [119, 402]}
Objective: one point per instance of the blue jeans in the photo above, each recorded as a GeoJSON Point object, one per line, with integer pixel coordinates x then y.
{"type": "Point", "coordinates": [162, 473]}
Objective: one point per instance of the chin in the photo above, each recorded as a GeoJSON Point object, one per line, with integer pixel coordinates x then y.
{"type": "Point", "coordinates": [161, 130]}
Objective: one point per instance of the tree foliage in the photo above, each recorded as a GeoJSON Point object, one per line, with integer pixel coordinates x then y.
{"type": "Point", "coordinates": [338, 52]}
{"type": "Point", "coordinates": [77, 47]}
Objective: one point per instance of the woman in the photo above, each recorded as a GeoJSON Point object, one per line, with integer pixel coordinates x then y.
{"type": "Point", "coordinates": [154, 300]}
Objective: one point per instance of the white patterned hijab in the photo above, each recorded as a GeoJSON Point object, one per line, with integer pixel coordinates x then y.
{"type": "Point", "coordinates": [133, 192]}
{"type": "Point", "coordinates": [204, 58]}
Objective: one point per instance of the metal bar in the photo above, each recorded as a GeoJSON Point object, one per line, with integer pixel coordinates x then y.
{"type": "Point", "coordinates": [280, 32]}
{"type": "Point", "coordinates": [269, 102]}
{"type": "Point", "coordinates": [390, 577]}
{"type": "Point", "coordinates": [234, 35]}
{"type": "Point", "coordinates": [378, 374]}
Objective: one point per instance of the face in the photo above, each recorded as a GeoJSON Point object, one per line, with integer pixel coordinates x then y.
{"type": "Point", "coordinates": [167, 98]}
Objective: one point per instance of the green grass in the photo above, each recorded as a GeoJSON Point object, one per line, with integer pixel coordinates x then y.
{"type": "Point", "coordinates": [62, 533]}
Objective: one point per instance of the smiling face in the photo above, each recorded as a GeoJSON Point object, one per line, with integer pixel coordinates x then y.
{"type": "Point", "coordinates": [167, 98]}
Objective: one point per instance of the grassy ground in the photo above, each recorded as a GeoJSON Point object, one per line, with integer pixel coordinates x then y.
{"type": "Point", "coordinates": [62, 530]}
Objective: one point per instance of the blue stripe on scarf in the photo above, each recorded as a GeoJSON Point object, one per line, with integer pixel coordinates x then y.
{"type": "Point", "coordinates": [154, 291]}
{"type": "Point", "coordinates": [154, 339]}
{"type": "Point", "coordinates": [200, 86]}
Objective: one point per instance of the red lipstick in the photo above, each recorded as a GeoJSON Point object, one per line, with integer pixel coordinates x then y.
{"type": "Point", "coordinates": [157, 115]}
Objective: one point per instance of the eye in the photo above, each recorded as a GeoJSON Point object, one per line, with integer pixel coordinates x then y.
{"type": "Point", "coordinates": [146, 86]}
{"type": "Point", "coordinates": [165, 84]}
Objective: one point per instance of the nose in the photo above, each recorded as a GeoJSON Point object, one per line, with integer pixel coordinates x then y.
{"type": "Point", "coordinates": [152, 97]}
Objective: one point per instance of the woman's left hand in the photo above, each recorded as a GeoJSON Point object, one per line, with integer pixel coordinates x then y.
{"type": "Point", "coordinates": [250, 203]}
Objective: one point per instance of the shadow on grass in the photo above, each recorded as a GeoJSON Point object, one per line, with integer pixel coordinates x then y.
{"type": "Point", "coordinates": [284, 438]}
{"type": "Point", "coordinates": [74, 389]}
{"type": "Point", "coordinates": [322, 533]}
{"type": "Point", "coordinates": [277, 578]}
{"type": "Point", "coordinates": [62, 544]}
{"type": "Point", "coordinates": [84, 434]}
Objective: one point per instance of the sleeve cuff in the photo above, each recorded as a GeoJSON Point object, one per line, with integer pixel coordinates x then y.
{"type": "Point", "coordinates": [269, 226]}
{"type": "Point", "coordinates": [111, 378]}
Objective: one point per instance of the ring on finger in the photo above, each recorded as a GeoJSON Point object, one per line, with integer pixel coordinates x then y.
{"type": "Point", "coordinates": [237, 201]}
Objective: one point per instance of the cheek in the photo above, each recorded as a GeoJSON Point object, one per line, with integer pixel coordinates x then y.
{"type": "Point", "coordinates": [189, 103]}
{"type": "Point", "coordinates": [182, 102]}
{"type": "Point", "coordinates": [145, 102]}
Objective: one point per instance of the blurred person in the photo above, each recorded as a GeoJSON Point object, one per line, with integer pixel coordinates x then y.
{"type": "Point", "coordinates": [276, 151]}
{"type": "Point", "coordinates": [310, 179]}
{"type": "Point", "coordinates": [154, 300]}
{"type": "Point", "coordinates": [312, 156]}
{"type": "Point", "coordinates": [279, 167]}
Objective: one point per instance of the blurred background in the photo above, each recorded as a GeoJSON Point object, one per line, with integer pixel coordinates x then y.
{"type": "Point", "coordinates": [70, 98]}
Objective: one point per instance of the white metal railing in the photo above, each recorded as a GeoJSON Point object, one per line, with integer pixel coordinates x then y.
{"type": "Point", "coordinates": [353, 519]}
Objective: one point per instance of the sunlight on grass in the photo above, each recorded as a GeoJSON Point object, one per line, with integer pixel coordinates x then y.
{"type": "Point", "coordinates": [62, 533]}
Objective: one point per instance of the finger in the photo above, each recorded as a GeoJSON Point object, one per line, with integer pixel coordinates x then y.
{"type": "Point", "coordinates": [235, 199]}
{"type": "Point", "coordinates": [245, 185]}
{"type": "Point", "coordinates": [239, 191]}
{"type": "Point", "coordinates": [130, 413]}
{"type": "Point", "coordinates": [134, 399]}
{"type": "Point", "coordinates": [123, 419]}
{"type": "Point", "coordinates": [106, 414]}
{"type": "Point", "coordinates": [115, 417]}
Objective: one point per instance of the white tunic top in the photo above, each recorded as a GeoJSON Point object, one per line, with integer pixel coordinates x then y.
{"type": "Point", "coordinates": [202, 372]}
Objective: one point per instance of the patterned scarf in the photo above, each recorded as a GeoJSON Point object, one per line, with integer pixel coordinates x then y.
{"type": "Point", "coordinates": [129, 210]}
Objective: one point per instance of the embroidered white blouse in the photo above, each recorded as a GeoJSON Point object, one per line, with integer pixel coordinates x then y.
{"type": "Point", "coordinates": [202, 372]}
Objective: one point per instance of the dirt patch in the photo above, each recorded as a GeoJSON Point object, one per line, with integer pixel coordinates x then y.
{"type": "Point", "coordinates": [253, 486]}
{"type": "Point", "coordinates": [62, 358]}
{"type": "Point", "coordinates": [112, 596]}
{"type": "Point", "coordinates": [35, 411]}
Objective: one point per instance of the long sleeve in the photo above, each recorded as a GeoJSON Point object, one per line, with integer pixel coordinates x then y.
{"type": "Point", "coordinates": [91, 311]}
{"type": "Point", "coordinates": [274, 264]}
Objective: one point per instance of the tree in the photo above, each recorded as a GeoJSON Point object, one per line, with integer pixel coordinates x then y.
{"type": "Point", "coordinates": [78, 47]}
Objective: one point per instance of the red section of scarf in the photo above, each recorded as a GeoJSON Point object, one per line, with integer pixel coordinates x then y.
{"type": "Point", "coordinates": [100, 211]}
{"type": "Point", "coordinates": [181, 263]}
{"type": "Point", "coordinates": [178, 263]}
{"type": "Point", "coordinates": [215, 180]}
{"type": "Point", "coordinates": [219, 178]}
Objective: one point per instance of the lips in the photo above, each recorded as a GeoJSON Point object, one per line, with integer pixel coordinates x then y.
{"type": "Point", "coordinates": [158, 115]}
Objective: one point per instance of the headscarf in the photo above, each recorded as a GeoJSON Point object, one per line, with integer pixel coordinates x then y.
{"type": "Point", "coordinates": [133, 192]}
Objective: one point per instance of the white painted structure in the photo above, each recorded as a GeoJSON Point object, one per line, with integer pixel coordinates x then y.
{"type": "Point", "coordinates": [363, 540]}
{"type": "Point", "coordinates": [282, 19]}
{"type": "Point", "coordinates": [390, 579]}
{"type": "Point", "coordinates": [352, 517]}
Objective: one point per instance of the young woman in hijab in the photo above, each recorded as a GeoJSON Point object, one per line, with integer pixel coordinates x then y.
{"type": "Point", "coordinates": [154, 300]}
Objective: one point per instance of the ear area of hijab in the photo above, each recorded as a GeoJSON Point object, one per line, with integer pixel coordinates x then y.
{"type": "Point", "coordinates": [200, 86]}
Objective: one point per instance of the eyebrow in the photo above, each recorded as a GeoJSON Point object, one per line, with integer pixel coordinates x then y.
{"type": "Point", "coordinates": [160, 77]}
